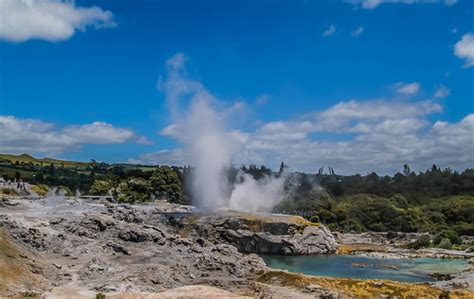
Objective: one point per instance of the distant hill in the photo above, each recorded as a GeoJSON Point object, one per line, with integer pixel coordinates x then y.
{"type": "Point", "coordinates": [25, 158]}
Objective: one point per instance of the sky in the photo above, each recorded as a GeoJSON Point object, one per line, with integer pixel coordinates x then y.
{"type": "Point", "coordinates": [359, 86]}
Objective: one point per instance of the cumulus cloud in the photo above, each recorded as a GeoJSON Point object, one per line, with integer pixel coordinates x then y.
{"type": "Point", "coordinates": [408, 88]}
{"type": "Point", "coordinates": [369, 144]}
{"type": "Point", "coordinates": [353, 136]}
{"type": "Point", "coordinates": [464, 49]}
{"type": "Point", "coordinates": [32, 135]}
{"type": "Point", "coordinates": [51, 20]}
{"type": "Point", "coordinates": [372, 4]}
{"type": "Point", "coordinates": [359, 136]}
{"type": "Point", "coordinates": [330, 30]}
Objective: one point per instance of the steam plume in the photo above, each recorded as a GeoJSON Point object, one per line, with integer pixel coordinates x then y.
{"type": "Point", "coordinates": [210, 146]}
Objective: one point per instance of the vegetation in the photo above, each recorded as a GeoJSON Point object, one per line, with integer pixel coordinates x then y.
{"type": "Point", "coordinates": [437, 201]}
{"type": "Point", "coordinates": [127, 183]}
{"type": "Point", "coordinates": [431, 201]}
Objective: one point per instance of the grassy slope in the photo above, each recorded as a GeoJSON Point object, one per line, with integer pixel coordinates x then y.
{"type": "Point", "coordinates": [25, 158]}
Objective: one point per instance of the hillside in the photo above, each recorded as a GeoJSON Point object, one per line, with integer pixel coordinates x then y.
{"type": "Point", "coordinates": [25, 158]}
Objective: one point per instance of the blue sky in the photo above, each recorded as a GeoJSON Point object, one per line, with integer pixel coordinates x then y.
{"type": "Point", "coordinates": [282, 61]}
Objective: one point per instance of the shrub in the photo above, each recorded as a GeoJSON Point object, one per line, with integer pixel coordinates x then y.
{"type": "Point", "coordinates": [445, 244]}
{"type": "Point", "coordinates": [41, 190]}
{"type": "Point", "coordinates": [451, 235]}
{"type": "Point", "coordinates": [391, 234]}
{"type": "Point", "coordinates": [422, 242]}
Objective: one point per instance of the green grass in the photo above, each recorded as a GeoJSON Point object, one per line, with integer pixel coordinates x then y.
{"type": "Point", "coordinates": [25, 158]}
{"type": "Point", "coordinates": [11, 172]}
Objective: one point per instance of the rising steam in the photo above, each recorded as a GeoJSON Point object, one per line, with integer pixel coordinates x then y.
{"type": "Point", "coordinates": [211, 146]}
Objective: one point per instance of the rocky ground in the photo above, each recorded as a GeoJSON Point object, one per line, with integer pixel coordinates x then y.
{"type": "Point", "coordinates": [74, 248]}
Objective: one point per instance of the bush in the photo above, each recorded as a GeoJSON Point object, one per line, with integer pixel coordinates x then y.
{"type": "Point", "coordinates": [41, 190]}
{"type": "Point", "coordinates": [465, 229]}
{"type": "Point", "coordinates": [8, 191]}
{"type": "Point", "coordinates": [391, 234]}
{"type": "Point", "coordinates": [422, 242]}
{"type": "Point", "coordinates": [100, 296]}
{"type": "Point", "coordinates": [100, 187]}
{"type": "Point", "coordinates": [351, 225]}
{"type": "Point", "coordinates": [445, 244]}
{"type": "Point", "coordinates": [451, 235]}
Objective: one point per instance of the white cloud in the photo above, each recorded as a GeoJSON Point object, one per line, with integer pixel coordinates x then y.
{"type": "Point", "coordinates": [450, 2]}
{"type": "Point", "coordinates": [358, 31]}
{"type": "Point", "coordinates": [381, 145]}
{"type": "Point", "coordinates": [442, 92]}
{"type": "Point", "coordinates": [98, 133]}
{"type": "Point", "coordinates": [351, 136]}
{"type": "Point", "coordinates": [162, 157]}
{"type": "Point", "coordinates": [32, 135]}
{"type": "Point", "coordinates": [372, 4]}
{"type": "Point", "coordinates": [378, 135]}
{"type": "Point", "coordinates": [464, 49]}
{"type": "Point", "coordinates": [330, 30]}
{"type": "Point", "coordinates": [143, 140]}
{"type": "Point", "coordinates": [51, 20]}
{"type": "Point", "coordinates": [408, 88]}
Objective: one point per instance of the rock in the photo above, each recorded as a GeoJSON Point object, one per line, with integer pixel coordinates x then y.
{"type": "Point", "coordinates": [118, 248]}
{"type": "Point", "coordinates": [312, 288]}
{"type": "Point", "coordinates": [442, 276]}
{"type": "Point", "coordinates": [133, 236]}
{"type": "Point", "coordinates": [288, 235]}
{"type": "Point", "coordinates": [139, 248]}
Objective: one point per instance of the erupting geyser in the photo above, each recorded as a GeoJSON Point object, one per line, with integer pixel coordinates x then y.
{"type": "Point", "coordinates": [211, 147]}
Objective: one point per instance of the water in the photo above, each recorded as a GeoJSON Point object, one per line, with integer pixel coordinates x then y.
{"type": "Point", "coordinates": [350, 266]}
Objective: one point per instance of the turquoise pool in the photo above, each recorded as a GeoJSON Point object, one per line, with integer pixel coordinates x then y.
{"type": "Point", "coordinates": [352, 266]}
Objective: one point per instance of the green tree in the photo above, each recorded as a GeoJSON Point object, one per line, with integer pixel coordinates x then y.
{"type": "Point", "coordinates": [165, 184]}
{"type": "Point", "coordinates": [100, 187]}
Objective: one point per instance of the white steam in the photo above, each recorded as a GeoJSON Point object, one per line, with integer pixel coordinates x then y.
{"type": "Point", "coordinates": [210, 146]}
{"type": "Point", "coordinates": [256, 196]}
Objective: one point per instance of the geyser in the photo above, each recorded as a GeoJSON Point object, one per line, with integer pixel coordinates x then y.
{"type": "Point", "coordinates": [211, 147]}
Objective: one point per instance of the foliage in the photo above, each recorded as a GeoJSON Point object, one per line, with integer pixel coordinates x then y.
{"type": "Point", "coordinates": [430, 201]}
{"type": "Point", "coordinates": [449, 235]}
{"type": "Point", "coordinates": [41, 190]}
{"type": "Point", "coordinates": [165, 184]}
{"type": "Point", "coordinates": [100, 187]}
{"type": "Point", "coordinates": [445, 244]}
{"type": "Point", "coordinates": [436, 201]}
{"type": "Point", "coordinates": [422, 242]}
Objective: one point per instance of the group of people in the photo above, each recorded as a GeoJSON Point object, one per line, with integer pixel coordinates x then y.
{"type": "Point", "coordinates": [20, 185]}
